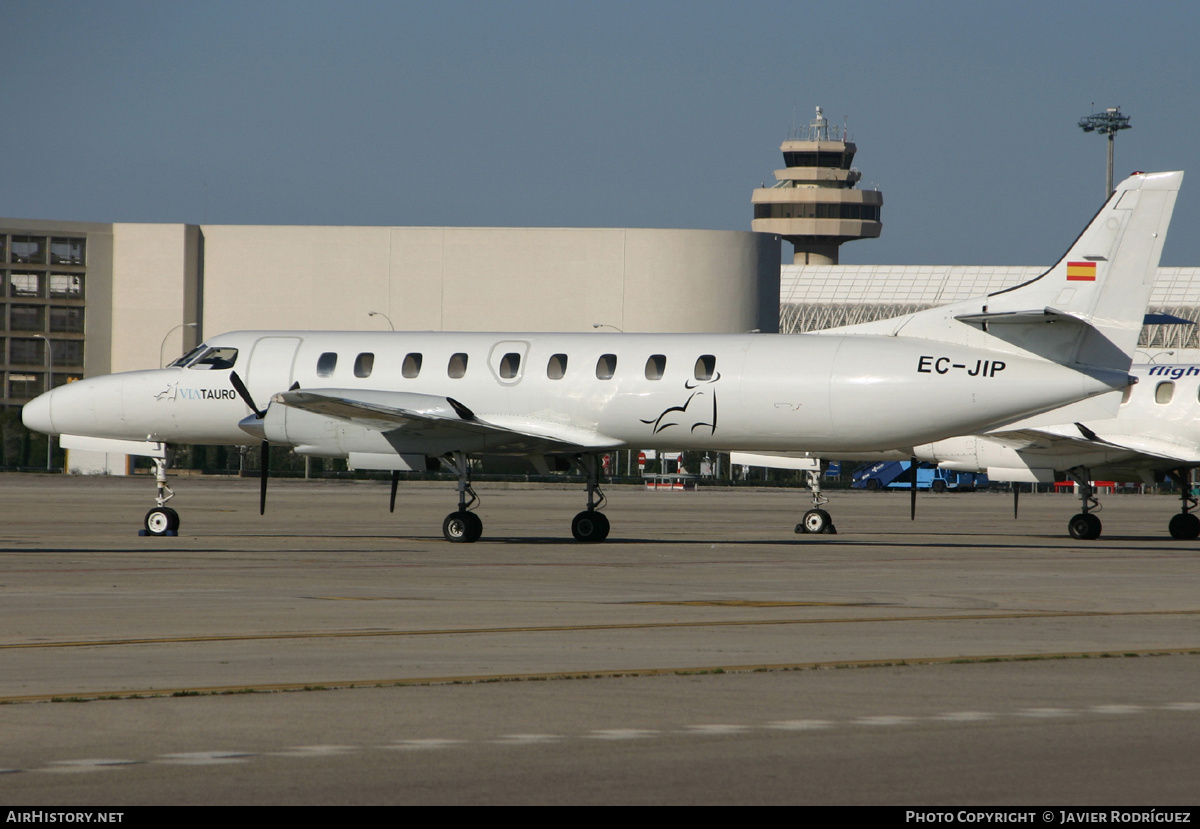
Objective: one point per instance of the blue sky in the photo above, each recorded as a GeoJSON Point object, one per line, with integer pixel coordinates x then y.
{"type": "Point", "coordinates": [606, 114]}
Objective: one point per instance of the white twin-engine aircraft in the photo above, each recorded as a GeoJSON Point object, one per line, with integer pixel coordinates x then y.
{"type": "Point", "coordinates": [392, 400]}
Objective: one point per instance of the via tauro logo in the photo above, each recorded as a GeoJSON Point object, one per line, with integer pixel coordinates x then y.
{"type": "Point", "coordinates": [173, 392]}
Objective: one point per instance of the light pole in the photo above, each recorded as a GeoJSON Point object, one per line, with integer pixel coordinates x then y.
{"type": "Point", "coordinates": [385, 316]}
{"type": "Point", "coordinates": [162, 359]}
{"type": "Point", "coordinates": [49, 385]}
{"type": "Point", "coordinates": [1107, 123]}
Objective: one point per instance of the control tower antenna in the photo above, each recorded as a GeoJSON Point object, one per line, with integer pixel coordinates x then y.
{"type": "Point", "coordinates": [1107, 123]}
{"type": "Point", "coordinates": [814, 203]}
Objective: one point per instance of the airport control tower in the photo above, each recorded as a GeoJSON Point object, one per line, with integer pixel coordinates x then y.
{"type": "Point", "coordinates": [813, 203]}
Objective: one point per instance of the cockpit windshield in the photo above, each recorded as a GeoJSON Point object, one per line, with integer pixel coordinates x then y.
{"type": "Point", "coordinates": [208, 359]}
{"type": "Point", "coordinates": [186, 358]}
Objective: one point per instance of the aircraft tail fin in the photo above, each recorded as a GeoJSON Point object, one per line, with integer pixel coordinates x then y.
{"type": "Point", "coordinates": [1086, 310]}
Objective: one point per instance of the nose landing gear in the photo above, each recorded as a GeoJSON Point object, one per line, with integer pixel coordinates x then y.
{"type": "Point", "coordinates": [816, 520]}
{"type": "Point", "coordinates": [162, 520]}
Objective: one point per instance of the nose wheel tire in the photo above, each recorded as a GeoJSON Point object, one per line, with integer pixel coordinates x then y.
{"type": "Point", "coordinates": [462, 527]}
{"type": "Point", "coordinates": [1185, 526]}
{"type": "Point", "coordinates": [816, 521]}
{"type": "Point", "coordinates": [590, 525]}
{"type": "Point", "coordinates": [1084, 526]}
{"type": "Point", "coordinates": [161, 521]}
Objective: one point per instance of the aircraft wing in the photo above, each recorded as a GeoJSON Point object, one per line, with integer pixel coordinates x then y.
{"type": "Point", "coordinates": [407, 417]}
{"type": "Point", "coordinates": [1153, 447]}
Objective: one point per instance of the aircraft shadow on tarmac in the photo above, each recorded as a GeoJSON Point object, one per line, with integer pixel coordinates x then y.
{"type": "Point", "coordinates": [1157, 544]}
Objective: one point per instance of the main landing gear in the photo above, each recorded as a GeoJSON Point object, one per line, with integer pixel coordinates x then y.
{"type": "Point", "coordinates": [816, 520]}
{"type": "Point", "coordinates": [462, 526]}
{"type": "Point", "coordinates": [162, 520]}
{"type": "Point", "coordinates": [1184, 526]}
{"type": "Point", "coordinates": [591, 524]}
{"type": "Point", "coordinates": [1084, 526]}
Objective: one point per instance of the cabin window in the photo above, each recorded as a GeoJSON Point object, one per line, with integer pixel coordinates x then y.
{"type": "Point", "coordinates": [326, 363]}
{"type": "Point", "coordinates": [457, 366]}
{"type": "Point", "coordinates": [1163, 392]}
{"type": "Point", "coordinates": [606, 366]}
{"type": "Point", "coordinates": [412, 365]}
{"type": "Point", "coordinates": [510, 365]}
{"type": "Point", "coordinates": [655, 366]}
{"type": "Point", "coordinates": [556, 369]}
{"type": "Point", "coordinates": [706, 366]}
{"type": "Point", "coordinates": [363, 364]}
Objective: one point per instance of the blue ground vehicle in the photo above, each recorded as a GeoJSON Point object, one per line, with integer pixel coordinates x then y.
{"type": "Point", "coordinates": [895, 475]}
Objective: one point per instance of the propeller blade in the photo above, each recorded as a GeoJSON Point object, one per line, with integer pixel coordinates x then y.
{"type": "Point", "coordinates": [1016, 498]}
{"type": "Point", "coordinates": [264, 472]}
{"type": "Point", "coordinates": [912, 507]}
{"type": "Point", "coordinates": [395, 483]}
{"type": "Point", "coordinates": [244, 393]}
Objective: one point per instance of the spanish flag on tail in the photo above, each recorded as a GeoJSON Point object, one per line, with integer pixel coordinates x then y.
{"type": "Point", "coordinates": [1081, 271]}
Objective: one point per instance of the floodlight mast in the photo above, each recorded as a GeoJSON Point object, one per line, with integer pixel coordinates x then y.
{"type": "Point", "coordinates": [1106, 123]}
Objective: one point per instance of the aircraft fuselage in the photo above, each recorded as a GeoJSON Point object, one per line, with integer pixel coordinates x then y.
{"type": "Point", "coordinates": [671, 391]}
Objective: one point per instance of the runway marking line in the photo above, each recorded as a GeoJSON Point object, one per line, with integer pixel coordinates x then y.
{"type": "Point", "coordinates": [353, 634]}
{"type": "Point", "coordinates": [611, 735]}
{"type": "Point", "coordinates": [478, 679]}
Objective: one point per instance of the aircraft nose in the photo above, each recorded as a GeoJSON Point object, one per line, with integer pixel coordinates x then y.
{"type": "Point", "coordinates": [36, 414]}
{"type": "Point", "coordinates": [69, 409]}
